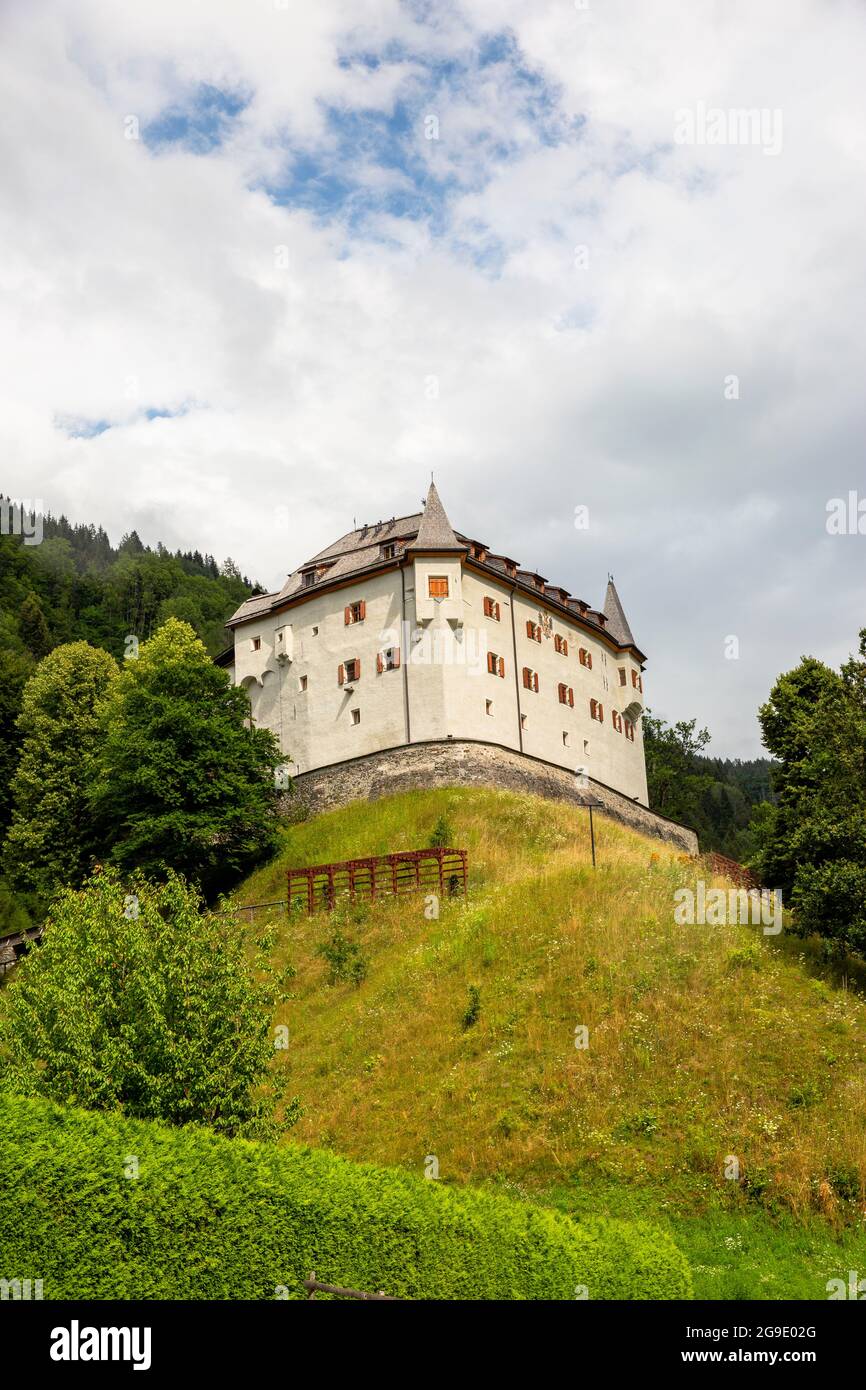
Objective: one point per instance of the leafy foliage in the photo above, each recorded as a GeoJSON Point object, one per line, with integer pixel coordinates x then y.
{"type": "Point", "coordinates": [344, 957]}
{"type": "Point", "coordinates": [210, 1218]}
{"type": "Point", "coordinates": [183, 780]}
{"type": "Point", "coordinates": [140, 1001]}
{"type": "Point", "coordinates": [723, 799]}
{"type": "Point", "coordinates": [51, 839]}
{"type": "Point", "coordinates": [442, 834]}
{"type": "Point", "coordinates": [814, 846]}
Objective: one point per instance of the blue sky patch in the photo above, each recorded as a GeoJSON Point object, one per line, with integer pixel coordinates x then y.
{"type": "Point", "coordinates": [199, 125]}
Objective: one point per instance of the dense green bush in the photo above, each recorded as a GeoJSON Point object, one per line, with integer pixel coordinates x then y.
{"type": "Point", "coordinates": [207, 1217]}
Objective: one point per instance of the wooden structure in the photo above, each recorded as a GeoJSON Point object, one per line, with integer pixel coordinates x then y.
{"type": "Point", "coordinates": [729, 868]}
{"type": "Point", "coordinates": [441, 871]}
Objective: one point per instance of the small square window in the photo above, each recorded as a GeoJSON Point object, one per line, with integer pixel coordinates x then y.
{"type": "Point", "coordinates": [356, 716]}
{"type": "Point", "coordinates": [257, 644]}
{"type": "Point", "coordinates": [303, 682]}
{"type": "Point", "coordinates": [523, 721]}
{"type": "Point", "coordinates": [352, 672]}
{"type": "Point", "coordinates": [565, 738]}
{"type": "Point", "coordinates": [437, 586]}
{"type": "Point", "coordinates": [489, 706]}
{"type": "Point", "coordinates": [389, 551]}
{"type": "Point", "coordinates": [309, 579]}
{"type": "Point", "coordinates": [586, 747]}
{"type": "Point", "coordinates": [315, 632]}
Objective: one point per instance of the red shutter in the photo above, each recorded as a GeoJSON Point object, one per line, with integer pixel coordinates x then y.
{"type": "Point", "coordinates": [565, 647]}
{"type": "Point", "coordinates": [601, 714]}
{"type": "Point", "coordinates": [491, 663]}
{"type": "Point", "coordinates": [357, 668]}
{"type": "Point", "coordinates": [347, 615]}
{"type": "Point", "coordinates": [363, 607]}
{"type": "Point", "coordinates": [589, 660]}
{"type": "Point", "coordinates": [528, 628]}
{"type": "Point", "coordinates": [380, 665]}
{"type": "Point", "coordinates": [341, 672]}
{"type": "Point", "coordinates": [526, 677]}
{"type": "Point", "coordinates": [502, 666]}
{"type": "Point", "coordinates": [571, 697]}
{"type": "Point", "coordinates": [396, 657]}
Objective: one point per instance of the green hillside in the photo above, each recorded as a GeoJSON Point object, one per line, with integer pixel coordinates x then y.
{"type": "Point", "coordinates": [705, 1042]}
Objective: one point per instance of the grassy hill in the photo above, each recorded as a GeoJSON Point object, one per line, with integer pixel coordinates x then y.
{"type": "Point", "coordinates": [704, 1042]}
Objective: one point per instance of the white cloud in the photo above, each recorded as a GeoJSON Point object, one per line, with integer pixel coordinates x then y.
{"type": "Point", "coordinates": [137, 279]}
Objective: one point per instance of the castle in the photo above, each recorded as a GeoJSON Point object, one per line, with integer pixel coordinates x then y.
{"type": "Point", "coordinates": [407, 632]}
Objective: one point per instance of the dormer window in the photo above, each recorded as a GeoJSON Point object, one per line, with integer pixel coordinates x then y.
{"type": "Point", "coordinates": [308, 578]}
{"type": "Point", "coordinates": [389, 550]}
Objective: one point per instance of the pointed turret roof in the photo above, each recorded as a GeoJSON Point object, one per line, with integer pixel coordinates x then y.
{"type": "Point", "coordinates": [435, 531]}
{"type": "Point", "coordinates": [617, 623]}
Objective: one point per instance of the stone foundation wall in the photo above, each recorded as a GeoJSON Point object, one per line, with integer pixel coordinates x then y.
{"type": "Point", "coordinates": [464, 763]}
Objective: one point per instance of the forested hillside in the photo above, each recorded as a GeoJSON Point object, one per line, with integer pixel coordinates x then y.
{"type": "Point", "coordinates": [726, 800]}
{"type": "Point", "coordinates": [77, 586]}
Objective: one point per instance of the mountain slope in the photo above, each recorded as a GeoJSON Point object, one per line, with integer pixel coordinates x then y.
{"type": "Point", "coordinates": [705, 1042]}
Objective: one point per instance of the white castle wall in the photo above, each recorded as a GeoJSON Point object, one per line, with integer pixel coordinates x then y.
{"type": "Point", "coordinates": [443, 675]}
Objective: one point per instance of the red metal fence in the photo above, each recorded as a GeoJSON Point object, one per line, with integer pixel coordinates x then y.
{"type": "Point", "coordinates": [383, 875]}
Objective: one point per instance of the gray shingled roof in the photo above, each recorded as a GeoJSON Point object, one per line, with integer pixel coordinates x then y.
{"type": "Point", "coordinates": [435, 531]}
{"type": "Point", "coordinates": [361, 549]}
{"type": "Point", "coordinates": [617, 623]}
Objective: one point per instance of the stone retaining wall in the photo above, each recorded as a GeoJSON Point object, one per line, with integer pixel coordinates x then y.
{"type": "Point", "coordinates": [465, 763]}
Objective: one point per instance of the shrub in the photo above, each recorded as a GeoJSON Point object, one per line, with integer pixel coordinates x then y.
{"type": "Point", "coordinates": [211, 1218]}
{"type": "Point", "coordinates": [344, 957]}
{"type": "Point", "coordinates": [138, 1000]}
{"type": "Point", "coordinates": [442, 834]}
{"type": "Point", "coordinates": [473, 1008]}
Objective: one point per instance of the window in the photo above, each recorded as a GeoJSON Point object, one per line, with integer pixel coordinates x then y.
{"type": "Point", "coordinates": [629, 730]}
{"type": "Point", "coordinates": [560, 644]}
{"type": "Point", "coordinates": [565, 743]}
{"type": "Point", "coordinates": [596, 711]}
{"type": "Point", "coordinates": [257, 644]}
{"type": "Point", "coordinates": [636, 681]}
{"type": "Point", "coordinates": [437, 586]}
{"type": "Point", "coordinates": [566, 694]}
{"type": "Point", "coordinates": [389, 551]}
{"type": "Point", "coordinates": [488, 704]}
{"type": "Point", "coordinates": [586, 747]}
{"type": "Point", "coordinates": [388, 660]}
{"type": "Point", "coordinates": [356, 716]}
{"type": "Point", "coordinates": [616, 721]}
{"type": "Point", "coordinates": [523, 721]}
{"type": "Point", "coordinates": [495, 664]}
{"type": "Point", "coordinates": [349, 673]}
{"type": "Point", "coordinates": [585, 658]}
{"type": "Point", "coordinates": [303, 682]}
{"type": "Point", "coordinates": [622, 675]}
{"type": "Point", "coordinates": [530, 679]}
{"type": "Point", "coordinates": [355, 612]}
{"type": "Point", "coordinates": [491, 608]}
{"type": "Point", "coordinates": [315, 632]}
{"type": "Point", "coordinates": [309, 578]}
{"type": "Point", "coordinates": [533, 631]}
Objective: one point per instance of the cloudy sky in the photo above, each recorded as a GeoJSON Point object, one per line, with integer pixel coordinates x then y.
{"type": "Point", "coordinates": [265, 265]}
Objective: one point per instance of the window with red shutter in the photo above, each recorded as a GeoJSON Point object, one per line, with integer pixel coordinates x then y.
{"type": "Point", "coordinates": [341, 674]}
{"type": "Point", "coordinates": [502, 667]}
